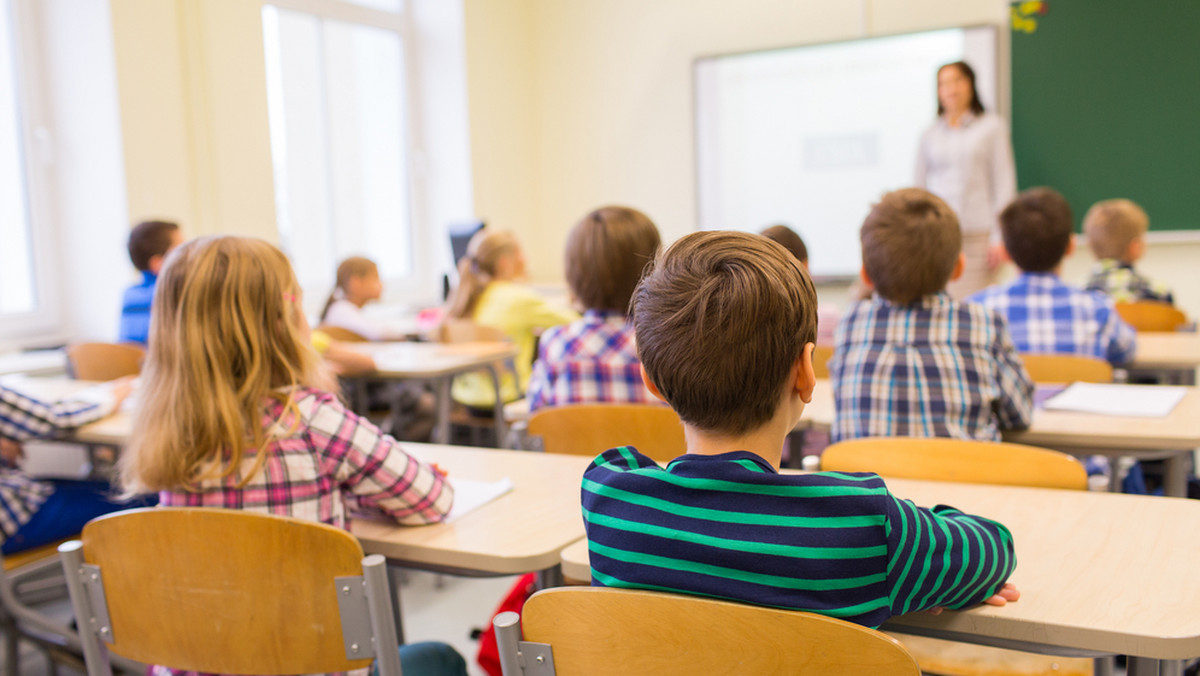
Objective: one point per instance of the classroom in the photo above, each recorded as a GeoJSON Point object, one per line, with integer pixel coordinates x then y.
{"type": "Point", "coordinates": [301, 134]}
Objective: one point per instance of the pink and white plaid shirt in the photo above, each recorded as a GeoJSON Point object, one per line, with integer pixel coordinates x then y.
{"type": "Point", "coordinates": [333, 458]}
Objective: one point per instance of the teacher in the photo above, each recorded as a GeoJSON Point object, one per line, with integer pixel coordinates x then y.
{"type": "Point", "coordinates": [966, 158]}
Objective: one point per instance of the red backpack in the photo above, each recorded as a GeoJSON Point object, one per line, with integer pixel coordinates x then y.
{"type": "Point", "coordinates": [489, 655]}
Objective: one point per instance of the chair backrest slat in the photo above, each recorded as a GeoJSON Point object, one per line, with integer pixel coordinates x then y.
{"type": "Point", "coordinates": [104, 361]}
{"type": "Point", "coordinates": [1152, 316]}
{"type": "Point", "coordinates": [591, 429]}
{"type": "Point", "coordinates": [1046, 369]}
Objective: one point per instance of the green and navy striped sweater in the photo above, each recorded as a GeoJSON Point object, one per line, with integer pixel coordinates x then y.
{"type": "Point", "coordinates": [729, 526]}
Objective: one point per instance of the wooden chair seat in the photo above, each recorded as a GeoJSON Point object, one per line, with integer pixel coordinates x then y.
{"type": "Point", "coordinates": [598, 631]}
{"type": "Point", "coordinates": [591, 429]}
{"type": "Point", "coordinates": [1152, 316]}
{"type": "Point", "coordinates": [341, 334]}
{"type": "Point", "coordinates": [104, 361]}
{"type": "Point", "coordinates": [1055, 369]}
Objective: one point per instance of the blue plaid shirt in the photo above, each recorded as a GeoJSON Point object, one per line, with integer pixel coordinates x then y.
{"type": "Point", "coordinates": [934, 368]}
{"type": "Point", "coordinates": [1047, 316]}
{"type": "Point", "coordinates": [592, 360]}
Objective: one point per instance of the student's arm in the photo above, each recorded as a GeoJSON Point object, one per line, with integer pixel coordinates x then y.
{"type": "Point", "coordinates": [1014, 408]}
{"type": "Point", "coordinates": [943, 558]}
{"type": "Point", "coordinates": [375, 469]}
{"type": "Point", "coordinates": [24, 417]}
{"type": "Point", "coordinates": [1119, 338]}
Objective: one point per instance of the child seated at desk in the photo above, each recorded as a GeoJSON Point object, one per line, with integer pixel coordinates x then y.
{"type": "Point", "coordinates": [37, 512]}
{"type": "Point", "coordinates": [725, 324]}
{"type": "Point", "coordinates": [910, 360]}
{"type": "Point", "coordinates": [235, 415]}
{"type": "Point", "coordinates": [1116, 234]}
{"type": "Point", "coordinates": [595, 359]}
{"type": "Point", "coordinates": [358, 283]}
{"type": "Point", "coordinates": [490, 293]}
{"type": "Point", "coordinates": [827, 315]}
{"type": "Point", "coordinates": [149, 244]}
{"type": "Point", "coordinates": [1045, 315]}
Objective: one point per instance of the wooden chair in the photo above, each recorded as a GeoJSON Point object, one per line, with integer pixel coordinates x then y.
{"type": "Point", "coordinates": [225, 591]}
{"type": "Point", "coordinates": [978, 462]}
{"type": "Point", "coordinates": [958, 461]}
{"type": "Point", "coordinates": [821, 355]}
{"type": "Point", "coordinates": [1054, 369]}
{"type": "Point", "coordinates": [591, 429]}
{"type": "Point", "coordinates": [588, 630]}
{"type": "Point", "coordinates": [1152, 316]}
{"type": "Point", "coordinates": [468, 331]}
{"type": "Point", "coordinates": [104, 361]}
{"type": "Point", "coordinates": [341, 334]}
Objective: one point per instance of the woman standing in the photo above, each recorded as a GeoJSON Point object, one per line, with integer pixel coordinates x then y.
{"type": "Point", "coordinates": [966, 158]}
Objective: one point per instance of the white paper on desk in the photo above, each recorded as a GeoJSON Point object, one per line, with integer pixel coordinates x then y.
{"type": "Point", "coordinates": [470, 495]}
{"type": "Point", "coordinates": [1138, 401]}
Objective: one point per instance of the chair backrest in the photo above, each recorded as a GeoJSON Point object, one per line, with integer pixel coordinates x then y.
{"type": "Point", "coordinates": [468, 331]}
{"type": "Point", "coordinates": [342, 334]}
{"type": "Point", "coordinates": [226, 591]}
{"type": "Point", "coordinates": [821, 355]}
{"type": "Point", "coordinates": [1152, 316]}
{"type": "Point", "coordinates": [591, 429]}
{"type": "Point", "coordinates": [104, 361]}
{"type": "Point", "coordinates": [1046, 369]}
{"type": "Point", "coordinates": [593, 630]}
{"type": "Point", "coordinates": [956, 460]}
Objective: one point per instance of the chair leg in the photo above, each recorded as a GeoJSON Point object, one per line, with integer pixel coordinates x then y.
{"type": "Point", "coordinates": [11, 646]}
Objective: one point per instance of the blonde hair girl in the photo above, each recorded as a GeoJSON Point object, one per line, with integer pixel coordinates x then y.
{"type": "Point", "coordinates": [489, 294]}
{"type": "Point", "coordinates": [232, 414]}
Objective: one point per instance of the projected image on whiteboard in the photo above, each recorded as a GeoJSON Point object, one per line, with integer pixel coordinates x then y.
{"type": "Point", "coordinates": [812, 136]}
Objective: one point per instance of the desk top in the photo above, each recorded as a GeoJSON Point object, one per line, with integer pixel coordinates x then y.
{"type": "Point", "coordinates": [520, 532]}
{"type": "Point", "coordinates": [1108, 572]}
{"type": "Point", "coordinates": [1179, 431]}
{"type": "Point", "coordinates": [431, 360]}
{"type": "Point", "coordinates": [35, 362]}
{"type": "Point", "coordinates": [1167, 351]}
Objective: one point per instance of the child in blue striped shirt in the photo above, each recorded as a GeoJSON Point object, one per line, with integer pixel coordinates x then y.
{"type": "Point", "coordinates": [725, 324]}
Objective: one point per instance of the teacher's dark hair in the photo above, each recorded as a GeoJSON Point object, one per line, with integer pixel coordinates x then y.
{"type": "Point", "coordinates": [969, 73]}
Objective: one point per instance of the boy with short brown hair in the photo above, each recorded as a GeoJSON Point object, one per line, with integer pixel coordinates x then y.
{"type": "Point", "coordinates": [149, 243]}
{"type": "Point", "coordinates": [1116, 234]}
{"type": "Point", "coordinates": [725, 324]}
{"type": "Point", "coordinates": [1044, 314]}
{"type": "Point", "coordinates": [910, 360]}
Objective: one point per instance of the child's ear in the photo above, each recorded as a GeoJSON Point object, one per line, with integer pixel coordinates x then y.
{"type": "Point", "coordinates": [866, 278]}
{"type": "Point", "coordinates": [650, 385]}
{"type": "Point", "coordinates": [959, 266]}
{"type": "Point", "coordinates": [805, 374]}
{"type": "Point", "coordinates": [1070, 246]}
{"type": "Point", "coordinates": [155, 264]}
{"type": "Point", "coordinates": [1136, 249]}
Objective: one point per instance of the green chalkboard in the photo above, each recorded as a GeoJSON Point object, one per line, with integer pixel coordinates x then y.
{"type": "Point", "coordinates": [1106, 103]}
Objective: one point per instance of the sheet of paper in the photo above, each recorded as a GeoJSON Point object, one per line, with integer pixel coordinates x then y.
{"type": "Point", "coordinates": [1139, 401]}
{"type": "Point", "coordinates": [470, 495]}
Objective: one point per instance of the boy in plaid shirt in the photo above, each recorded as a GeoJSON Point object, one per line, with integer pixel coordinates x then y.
{"type": "Point", "coordinates": [594, 359]}
{"type": "Point", "coordinates": [1116, 234]}
{"type": "Point", "coordinates": [1045, 315]}
{"type": "Point", "coordinates": [910, 360]}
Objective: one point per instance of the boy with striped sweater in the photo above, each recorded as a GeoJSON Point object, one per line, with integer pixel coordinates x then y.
{"type": "Point", "coordinates": [725, 324]}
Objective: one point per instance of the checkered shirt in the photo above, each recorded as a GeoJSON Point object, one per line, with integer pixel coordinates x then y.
{"type": "Point", "coordinates": [934, 368]}
{"type": "Point", "coordinates": [1046, 316]}
{"type": "Point", "coordinates": [587, 361]}
{"type": "Point", "coordinates": [1126, 285]}
{"type": "Point", "coordinates": [23, 417]}
{"type": "Point", "coordinates": [330, 460]}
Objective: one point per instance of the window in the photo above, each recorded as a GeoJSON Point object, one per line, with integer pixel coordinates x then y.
{"type": "Point", "coordinates": [339, 120]}
{"type": "Point", "coordinates": [26, 308]}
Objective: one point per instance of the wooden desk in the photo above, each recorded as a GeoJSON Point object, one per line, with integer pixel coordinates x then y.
{"type": "Point", "coordinates": [438, 363]}
{"type": "Point", "coordinates": [1098, 572]}
{"type": "Point", "coordinates": [1170, 438]}
{"type": "Point", "coordinates": [521, 531]}
{"type": "Point", "coordinates": [1175, 355]}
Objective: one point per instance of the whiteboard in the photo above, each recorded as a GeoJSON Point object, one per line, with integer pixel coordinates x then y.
{"type": "Point", "coordinates": [811, 136]}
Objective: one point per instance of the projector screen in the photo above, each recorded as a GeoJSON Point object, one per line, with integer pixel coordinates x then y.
{"type": "Point", "coordinates": [811, 136]}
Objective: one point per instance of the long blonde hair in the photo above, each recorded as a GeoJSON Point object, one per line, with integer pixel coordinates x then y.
{"type": "Point", "coordinates": [226, 334]}
{"type": "Point", "coordinates": [477, 269]}
{"type": "Point", "coordinates": [355, 266]}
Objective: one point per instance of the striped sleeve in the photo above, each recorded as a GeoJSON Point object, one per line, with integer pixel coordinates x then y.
{"type": "Point", "coordinates": [943, 557]}
{"type": "Point", "coordinates": [23, 417]}
{"type": "Point", "coordinates": [375, 469]}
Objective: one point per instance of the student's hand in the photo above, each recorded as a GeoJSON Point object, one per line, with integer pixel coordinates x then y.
{"type": "Point", "coordinates": [11, 452]}
{"type": "Point", "coordinates": [1007, 594]}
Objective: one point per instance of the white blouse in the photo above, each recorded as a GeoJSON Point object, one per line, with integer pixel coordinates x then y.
{"type": "Point", "coordinates": [970, 167]}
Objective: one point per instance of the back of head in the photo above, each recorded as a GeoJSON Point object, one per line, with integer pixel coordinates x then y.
{"type": "Point", "coordinates": [1112, 226]}
{"type": "Point", "coordinates": [606, 254]}
{"type": "Point", "coordinates": [720, 319]}
{"type": "Point", "coordinates": [148, 239]}
{"type": "Point", "coordinates": [354, 266]}
{"type": "Point", "coordinates": [789, 239]}
{"type": "Point", "coordinates": [226, 331]}
{"type": "Point", "coordinates": [477, 268]}
{"type": "Point", "coordinates": [1037, 229]}
{"type": "Point", "coordinates": [910, 244]}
